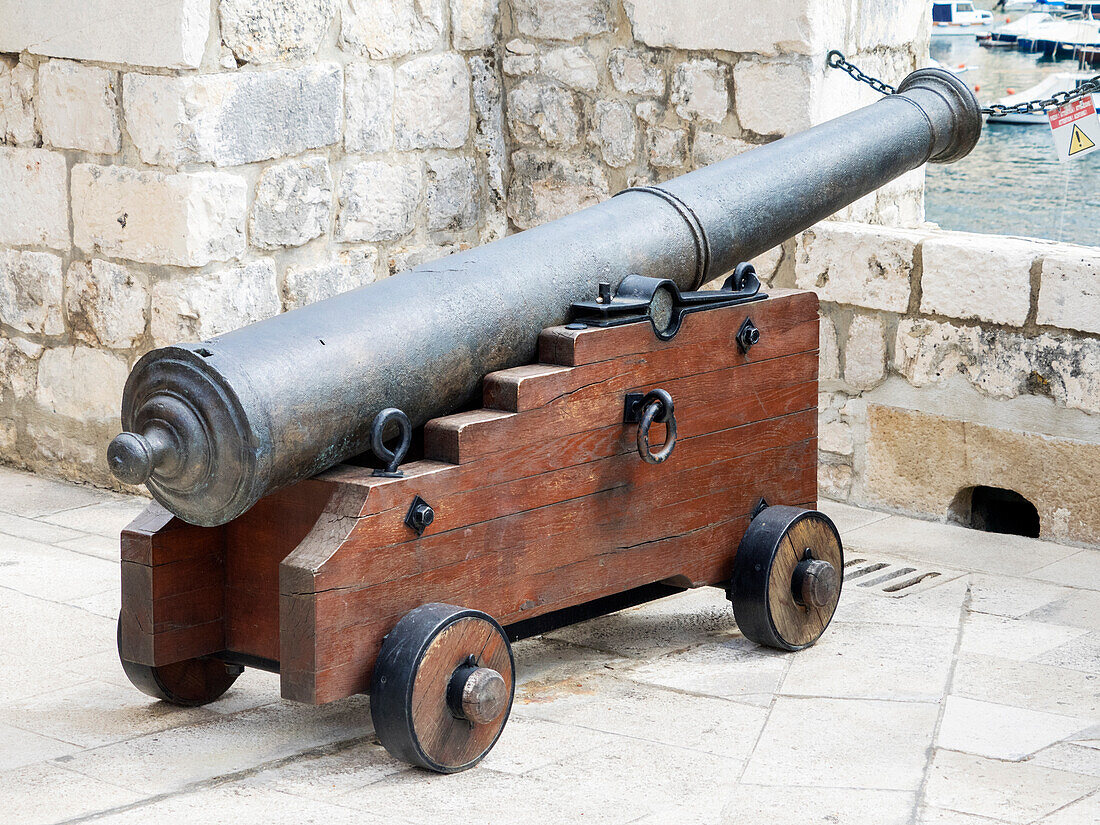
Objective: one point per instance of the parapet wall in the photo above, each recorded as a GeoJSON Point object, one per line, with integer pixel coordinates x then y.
{"type": "Point", "coordinates": [951, 361]}
{"type": "Point", "coordinates": [176, 170]}
{"type": "Point", "coordinates": [172, 171]}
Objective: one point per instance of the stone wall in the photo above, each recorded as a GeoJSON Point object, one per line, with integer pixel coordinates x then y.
{"type": "Point", "coordinates": [175, 170]}
{"type": "Point", "coordinates": [952, 360]}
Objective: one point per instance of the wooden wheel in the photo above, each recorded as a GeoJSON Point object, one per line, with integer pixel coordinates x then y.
{"type": "Point", "coordinates": [787, 577]}
{"type": "Point", "coordinates": [442, 687]}
{"type": "Point", "coordinates": [189, 683]}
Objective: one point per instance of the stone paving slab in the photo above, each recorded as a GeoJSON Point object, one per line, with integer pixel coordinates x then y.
{"type": "Point", "coordinates": [974, 701]}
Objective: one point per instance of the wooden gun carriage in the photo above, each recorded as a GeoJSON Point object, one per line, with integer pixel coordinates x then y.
{"type": "Point", "coordinates": [543, 513]}
{"type": "Point", "coordinates": [272, 545]}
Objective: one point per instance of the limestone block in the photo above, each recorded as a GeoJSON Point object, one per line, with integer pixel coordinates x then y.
{"type": "Point", "coordinates": [263, 31]}
{"type": "Point", "coordinates": [666, 148]}
{"type": "Point", "coordinates": [828, 351]}
{"type": "Point", "coordinates": [1069, 294]}
{"type": "Point", "coordinates": [650, 112]}
{"type": "Point", "coordinates": [1068, 369]}
{"type": "Point", "coordinates": [1001, 363]}
{"type": "Point", "coordinates": [865, 353]}
{"type": "Point", "coordinates": [35, 198]}
{"type": "Point", "coordinates": [391, 28]}
{"type": "Point", "coordinates": [234, 117]}
{"type": "Point", "coordinates": [699, 91]}
{"type": "Point", "coordinates": [637, 72]}
{"type": "Point", "coordinates": [919, 462]}
{"type": "Point", "coordinates": [573, 66]}
{"type": "Point", "coordinates": [81, 383]}
{"type": "Point", "coordinates": [520, 58]}
{"type": "Point", "coordinates": [857, 264]}
{"type": "Point", "coordinates": [76, 106]}
{"type": "Point", "coordinates": [170, 35]}
{"type": "Point", "coordinates": [378, 201]}
{"type": "Point", "coordinates": [834, 480]}
{"type": "Point", "coordinates": [562, 19]}
{"type": "Point", "coordinates": [473, 23]}
{"type": "Point", "coordinates": [16, 102]}
{"type": "Point", "coordinates": [432, 102]}
{"type": "Point", "coordinates": [890, 23]}
{"type": "Point", "coordinates": [106, 303]}
{"type": "Point", "coordinates": [835, 437]}
{"type": "Point", "coordinates": [616, 133]}
{"type": "Point", "coordinates": [292, 205]}
{"type": "Point", "coordinates": [777, 26]}
{"type": "Point", "coordinates": [710, 147]}
{"type": "Point", "coordinates": [452, 194]}
{"type": "Point", "coordinates": [416, 253]}
{"type": "Point", "coordinates": [546, 186]}
{"type": "Point", "coordinates": [350, 269]}
{"type": "Point", "coordinates": [767, 263]}
{"type": "Point", "coordinates": [186, 219]}
{"type": "Point", "coordinates": [543, 110]}
{"type": "Point", "coordinates": [489, 131]}
{"type": "Point", "coordinates": [368, 102]}
{"type": "Point", "coordinates": [198, 307]}
{"type": "Point", "coordinates": [773, 98]}
{"type": "Point", "coordinates": [30, 291]}
{"type": "Point", "coordinates": [977, 276]}
{"type": "Point", "coordinates": [18, 368]}
{"type": "Point", "coordinates": [927, 351]}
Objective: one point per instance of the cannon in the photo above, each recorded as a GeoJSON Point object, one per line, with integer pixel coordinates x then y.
{"type": "Point", "coordinates": [381, 491]}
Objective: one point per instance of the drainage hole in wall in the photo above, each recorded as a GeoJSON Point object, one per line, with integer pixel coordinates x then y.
{"type": "Point", "coordinates": [995, 510]}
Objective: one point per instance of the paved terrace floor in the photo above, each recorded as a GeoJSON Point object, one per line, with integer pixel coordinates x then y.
{"type": "Point", "coordinates": [976, 700]}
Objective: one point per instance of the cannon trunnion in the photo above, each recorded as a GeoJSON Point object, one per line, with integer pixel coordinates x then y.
{"type": "Point", "coordinates": [542, 513]}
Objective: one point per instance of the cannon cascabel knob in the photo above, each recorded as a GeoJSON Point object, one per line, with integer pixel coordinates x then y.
{"type": "Point", "coordinates": [130, 457]}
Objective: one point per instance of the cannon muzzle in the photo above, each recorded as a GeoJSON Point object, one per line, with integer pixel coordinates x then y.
{"type": "Point", "coordinates": [211, 427]}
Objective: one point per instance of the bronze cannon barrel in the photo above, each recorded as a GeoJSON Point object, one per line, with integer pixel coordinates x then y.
{"type": "Point", "coordinates": [212, 427]}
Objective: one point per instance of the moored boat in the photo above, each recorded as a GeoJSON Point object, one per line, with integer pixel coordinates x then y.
{"type": "Point", "coordinates": [1024, 27]}
{"type": "Point", "coordinates": [959, 18]}
{"type": "Point", "coordinates": [1057, 82]}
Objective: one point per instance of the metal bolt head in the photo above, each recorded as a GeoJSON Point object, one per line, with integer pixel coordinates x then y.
{"type": "Point", "coordinates": [815, 583]}
{"type": "Point", "coordinates": [748, 335]}
{"type": "Point", "coordinates": [423, 515]}
{"type": "Point", "coordinates": [484, 696]}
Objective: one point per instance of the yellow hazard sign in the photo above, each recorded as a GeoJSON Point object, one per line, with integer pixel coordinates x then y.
{"type": "Point", "coordinates": [1075, 128]}
{"type": "Point", "coordinates": [1079, 141]}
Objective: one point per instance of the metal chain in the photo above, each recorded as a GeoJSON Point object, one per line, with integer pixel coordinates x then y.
{"type": "Point", "coordinates": [836, 60]}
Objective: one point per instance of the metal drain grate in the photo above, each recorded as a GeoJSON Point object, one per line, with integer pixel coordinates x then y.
{"type": "Point", "coordinates": [894, 577]}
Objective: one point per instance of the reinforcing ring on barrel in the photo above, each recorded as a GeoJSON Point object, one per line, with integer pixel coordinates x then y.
{"type": "Point", "coordinates": [654, 406]}
{"type": "Point", "coordinates": [394, 457]}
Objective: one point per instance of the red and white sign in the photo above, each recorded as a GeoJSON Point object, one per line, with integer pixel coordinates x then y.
{"type": "Point", "coordinates": [1076, 128]}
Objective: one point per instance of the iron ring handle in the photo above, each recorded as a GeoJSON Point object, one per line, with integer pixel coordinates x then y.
{"type": "Point", "coordinates": [394, 457]}
{"type": "Point", "coordinates": [656, 406]}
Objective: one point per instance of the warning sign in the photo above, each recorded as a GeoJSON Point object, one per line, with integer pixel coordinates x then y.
{"type": "Point", "coordinates": [1076, 128]}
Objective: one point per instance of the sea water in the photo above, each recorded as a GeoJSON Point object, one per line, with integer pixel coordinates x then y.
{"type": "Point", "coordinates": [1012, 183]}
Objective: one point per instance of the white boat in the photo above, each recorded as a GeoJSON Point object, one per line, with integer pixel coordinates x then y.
{"type": "Point", "coordinates": [1058, 82]}
{"type": "Point", "coordinates": [959, 18]}
{"type": "Point", "coordinates": [1084, 34]}
{"type": "Point", "coordinates": [1043, 36]}
{"type": "Point", "coordinates": [1025, 27]}
{"type": "Point", "coordinates": [1035, 5]}
{"type": "Point", "coordinates": [1063, 37]}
